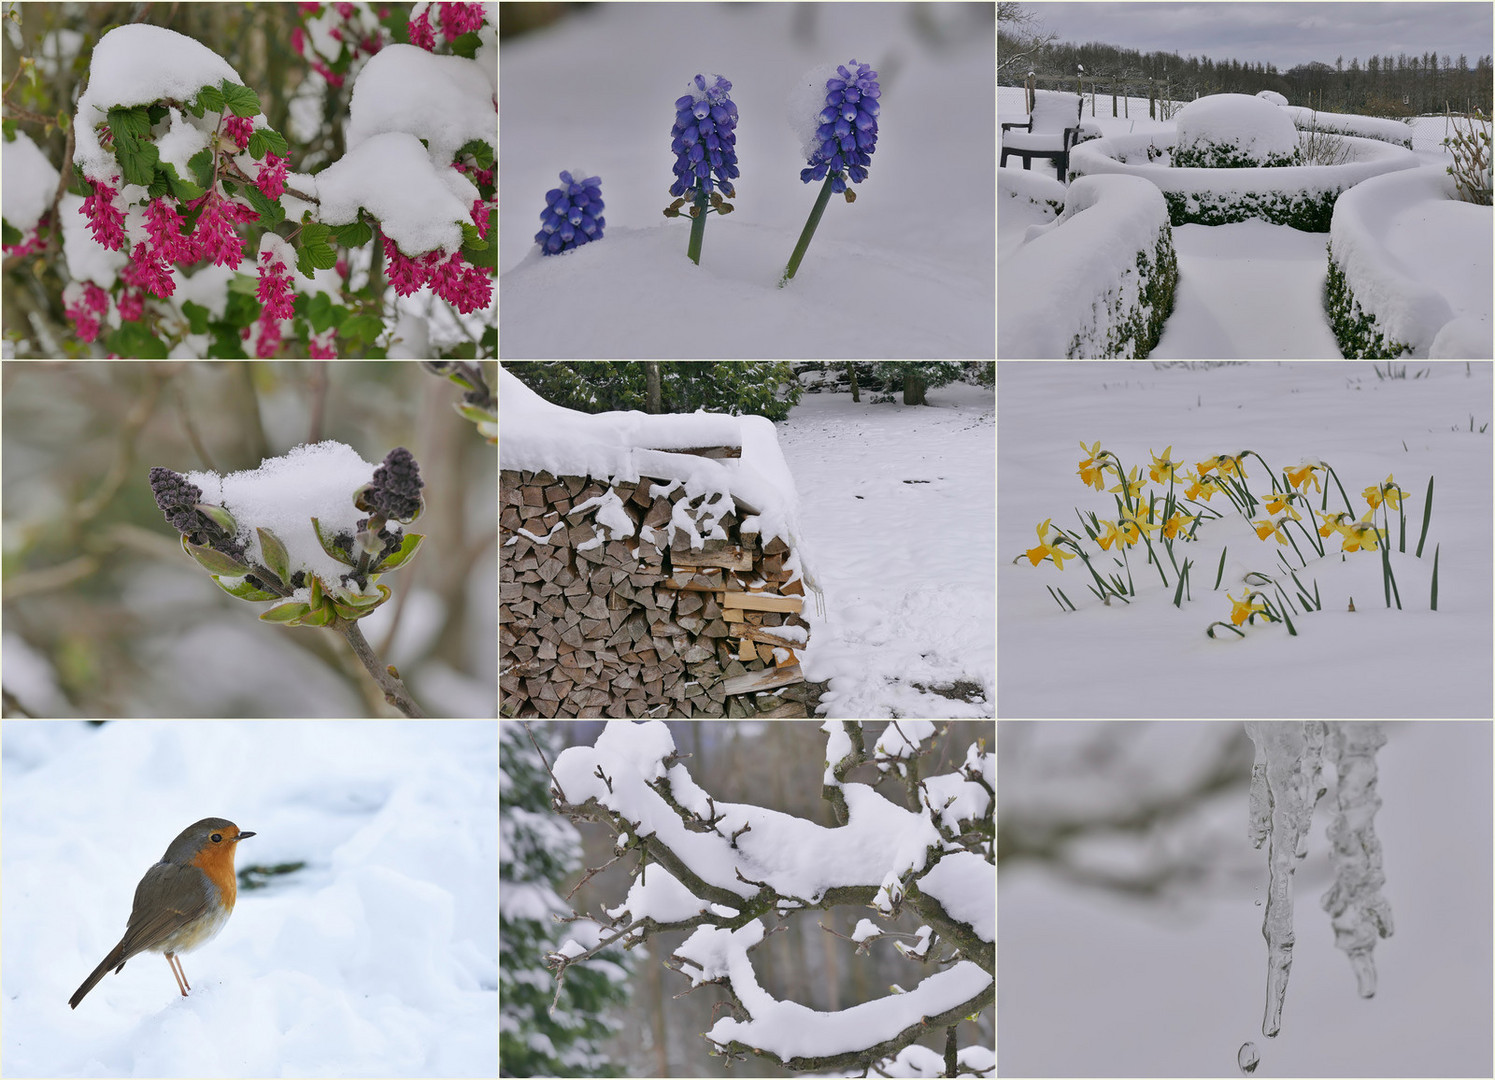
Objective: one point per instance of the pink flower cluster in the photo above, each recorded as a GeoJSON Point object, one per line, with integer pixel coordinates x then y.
{"type": "Point", "coordinates": [274, 289]}
{"type": "Point", "coordinates": [323, 347]}
{"type": "Point", "coordinates": [239, 128]}
{"type": "Point", "coordinates": [87, 309]}
{"type": "Point", "coordinates": [148, 271]}
{"type": "Point", "coordinates": [106, 220]}
{"type": "Point", "coordinates": [272, 176]}
{"type": "Point", "coordinates": [348, 33]}
{"type": "Point", "coordinates": [164, 227]}
{"type": "Point", "coordinates": [32, 243]}
{"type": "Point", "coordinates": [216, 237]}
{"type": "Point", "coordinates": [456, 20]}
{"type": "Point", "coordinates": [454, 279]}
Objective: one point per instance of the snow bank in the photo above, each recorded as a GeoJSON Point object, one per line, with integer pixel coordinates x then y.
{"type": "Point", "coordinates": [30, 181]}
{"type": "Point", "coordinates": [1096, 282]}
{"type": "Point", "coordinates": [1232, 130]}
{"type": "Point", "coordinates": [442, 99]}
{"type": "Point", "coordinates": [1369, 127]}
{"type": "Point", "coordinates": [1272, 96]}
{"type": "Point", "coordinates": [1302, 196]}
{"type": "Point", "coordinates": [1407, 258]}
{"type": "Point", "coordinates": [535, 435]}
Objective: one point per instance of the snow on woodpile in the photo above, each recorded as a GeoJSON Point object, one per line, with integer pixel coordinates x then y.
{"type": "Point", "coordinates": [649, 564]}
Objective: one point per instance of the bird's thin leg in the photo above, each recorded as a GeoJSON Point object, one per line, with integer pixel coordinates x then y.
{"type": "Point", "coordinates": [177, 973]}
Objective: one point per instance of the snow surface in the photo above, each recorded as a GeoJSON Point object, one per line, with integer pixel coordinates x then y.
{"type": "Point", "coordinates": [536, 435]}
{"type": "Point", "coordinates": [1335, 666]}
{"type": "Point", "coordinates": [283, 495]}
{"type": "Point", "coordinates": [379, 958]}
{"type": "Point", "coordinates": [1372, 127]}
{"type": "Point", "coordinates": [419, 206]}
{"type": "Point", "coordinates": [1412, 255]}
{"type": "Point", "coordinates": [1254, 127]}
{"type": "Point", "coordinates": [1065, 276]}
{"type": "Point", "coordinates": [139, 64]}
{"type": "Point", "coordinates": [905, 568]}
{"type": "Point", "coordinates": [30, 181]}
{"type": "Point", "coordinates": [445, 100]}
{"type": "Point", "coordinates": [905, 271]}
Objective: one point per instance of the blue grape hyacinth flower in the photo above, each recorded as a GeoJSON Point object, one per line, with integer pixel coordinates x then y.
{"type": "Point", "coordinates": [704, 139]}
{"type": "Point", "coordinates": [839, 139]}
{"type": "Point", "coordinates": [572, 215]}
{"type": "Point", "coordinates": [847, 132]}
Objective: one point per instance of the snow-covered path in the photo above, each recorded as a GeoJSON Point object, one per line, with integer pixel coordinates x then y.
{"type": "Point", "coordinates": [1248, 291]}
{"type": "Point", "coordinates": [897, 505]}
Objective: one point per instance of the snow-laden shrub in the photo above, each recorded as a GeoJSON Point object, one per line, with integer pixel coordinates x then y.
{"type": "Point", "coordinates": [1234, 131]}
{"type": "Point", "coordinates": [1272, 96]}
{"type": "Point", "coordinates": [1019, 187]}
{"type": "Point", "coordinates": [1365, 127]}
{"type": "Point", "coordinates": [1098, 282]}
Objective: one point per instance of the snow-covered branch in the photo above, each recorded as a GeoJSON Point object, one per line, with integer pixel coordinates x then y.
{"type": "Point", "coordinates": [721, 869]}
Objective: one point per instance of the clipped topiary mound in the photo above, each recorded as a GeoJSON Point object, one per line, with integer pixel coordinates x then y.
{"type": "Point", "coordinates": [1234, 131]}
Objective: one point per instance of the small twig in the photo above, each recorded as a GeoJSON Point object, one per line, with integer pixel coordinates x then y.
{"type": "Point", "coordinates": [553, 780]}
{"type": "Point", "coordinates": [600, 775]}
{"type": "Point", "coordinates": [394, 690]}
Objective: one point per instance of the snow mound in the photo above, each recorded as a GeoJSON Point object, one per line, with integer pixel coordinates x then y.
{"type": "Point", "coordinates": [1368, 127]}
{"type": "Point", "coordinates": [30, 182]}
{"type": "Point", "coordinates": [1070, 284]}
{"type": "Point", "coordinates": [1462, 339]}
{"type": "Point", "coordinates": [1389, 237]}
{"type": "Point", "coordinates": [1272, 96]}
{"type": "Point", "coordinates": [1227, 131]}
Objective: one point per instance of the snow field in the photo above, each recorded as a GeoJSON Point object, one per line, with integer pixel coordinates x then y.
{"type": "Point", "coordinates": [1335, 666]}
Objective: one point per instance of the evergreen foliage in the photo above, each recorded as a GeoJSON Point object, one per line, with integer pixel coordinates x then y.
{"type": "Point", "coordinates": [537, 850]}
{"type": "Point", "coordinates": [736, 387]}
{"type": "Point", "coordinates": [1354, 327]}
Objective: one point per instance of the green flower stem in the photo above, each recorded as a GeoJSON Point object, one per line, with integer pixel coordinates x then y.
{"type": "Point", "coordinates": [1347, 507]}
{"type": "Point", "coordinates": [698, 227]}
{"type": "Point", "coordinates": [394, 690]}
{"type": "Point", "coordinates": [1434, 603]}
{"type": "Point", "coordinates": [1427, 514]}
{"type": "Point", "coordinates": [809, 231]}
{"type": "Point", "coordinates": [1220, 570]}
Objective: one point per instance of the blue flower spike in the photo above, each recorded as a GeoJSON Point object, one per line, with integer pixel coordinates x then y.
{"type": "Point", "coordinates": [845, 137]}
{"type": "Point", "coordinates": [705, 145]}
{"type": "Point", "coordinates": [572, 215]}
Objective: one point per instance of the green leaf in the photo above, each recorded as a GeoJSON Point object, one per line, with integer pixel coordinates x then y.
{"type": "Point", "coordinates": [210, 98]}
{"type": "Point", "coordinates": [320, 615]}
{"type": "Point", "coordinates": [276, 556]}
{"type": "Point", "coordinates": [134, 122]}
{"type": "Point", "coordinates": [472, 239]}
{"type": "Point", "coordinates": [197, 316]}
{"type": "Point", "coordinates": [257, 146]}
{"type": "Point", "coordinates": [322, 313]}
{"type": "Point", "coordinates": [271, 213]}
{"type": "Point", "coordinates": [134, 340]}
{"type": "Point", "coordinates": [137, 160]}
{"type": "Point", "coordinates": [184, 190]}
{"type": "Point", "coordinates": [467, 45]}
{"type": "Point", "coordinates": [156, 113]}
{"type": "Point", "coordinates": [201, 165]}
{"type": "Point", "coordinates": [473, 413]}
{"type": "Point", "coordinates": [159, 186]}
{"type": "Point", "coordinates": [241, 100]}
{"type": "Point", "coordinates": [366, 328]}
{"type": "Point", "coordinates": [353, 235]}
{"type": "Point", "coordinates": [481, 152]}
{"type": "Point", "coordinates": [245, 591]}
{"type": "Point", "coordinates": [275, 140]}
{"type": "Point", "coordinates": [406, 552]}
{"type": "Point", "coordinates": [11, 235]}
{"type": "Point", "coordinates": [214, 562]}
{"type": "Point", "coordinates": [291, 614]}
{"type": "Point", "coordinates": [325, 539]}
{"type": "Point", "coordinates": [221, 517]}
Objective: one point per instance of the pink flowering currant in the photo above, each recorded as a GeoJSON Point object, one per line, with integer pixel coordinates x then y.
{"type": "Point", "coordinates": [163, 224]}
{"type": "Point", "coordinates": [106, 220]}
{"type": "Point", "coordinates": [322, 347]}
{"type": "Point", "coordinates": [272, 176]}
{"type": "Point", "coordinates": [215, 230]}
{"type": "Point", "coordinates": [148, 271]}
{"type": "Point", "coordinates": [131, 305]}
{"type": "Point", "coordinates": [421, 33]}
{"type": "Point", "coordinates": [86, 308]}
{"type": "Point", "coordinates": [239, 128]}
{"type": "Point", "coordinates": [458, 19]}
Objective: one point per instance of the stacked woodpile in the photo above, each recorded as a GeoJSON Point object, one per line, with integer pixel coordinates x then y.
{"type": "Point", "coordinates": [640, 600]}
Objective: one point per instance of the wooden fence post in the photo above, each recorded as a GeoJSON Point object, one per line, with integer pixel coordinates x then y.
{"type": "Point", "coordinates": [1028, 89]}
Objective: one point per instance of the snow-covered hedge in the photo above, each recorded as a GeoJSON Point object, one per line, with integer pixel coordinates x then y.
{"type": "Point", "coordinates": [1234, 131]}
{"type": "Point", "coordinates": [1376, 307]}
{"type": "Point", "coordinates": [1023, 186]}
{"type": "Point", "coordinates": [1367, 127]}
{"type": "Point", "coordinates": [1098, 282]}
{"type": "Point", "coordinates": [1302, 196]}
{"type": "Point", "coordinates": [1272, 96]}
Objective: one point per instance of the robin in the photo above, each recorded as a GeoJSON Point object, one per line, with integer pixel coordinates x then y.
{"type": "Point", "coordinates": [181, 903]}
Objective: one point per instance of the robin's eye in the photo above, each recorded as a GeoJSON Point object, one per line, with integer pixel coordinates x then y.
{"type": "Point", "coordinates": [216, 837]}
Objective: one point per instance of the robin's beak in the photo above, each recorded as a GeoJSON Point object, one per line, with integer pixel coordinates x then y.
{"type": "Point", "coordinates": [243, 836]}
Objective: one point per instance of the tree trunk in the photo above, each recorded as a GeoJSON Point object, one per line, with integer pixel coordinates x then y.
{"type": "Point", "coordinates": [913, 389]}
{"type": "Point", "coordinates": [851, 368]}
{"type": "Point", "coordinates": [651, 386]}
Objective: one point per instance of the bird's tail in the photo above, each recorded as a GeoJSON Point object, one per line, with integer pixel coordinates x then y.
{"type": "Point", "coordinates": [115, 960]}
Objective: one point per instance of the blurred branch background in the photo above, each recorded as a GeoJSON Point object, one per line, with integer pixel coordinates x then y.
{"type": "Point", "coordinates": [104, 616]}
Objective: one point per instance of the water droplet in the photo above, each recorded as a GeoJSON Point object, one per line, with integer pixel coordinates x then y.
{"type": "Point", "coordinates": [1246, 1057]}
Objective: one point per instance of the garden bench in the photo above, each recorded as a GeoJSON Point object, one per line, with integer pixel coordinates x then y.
{"type": "Point", "coordinates": [1049, 132]}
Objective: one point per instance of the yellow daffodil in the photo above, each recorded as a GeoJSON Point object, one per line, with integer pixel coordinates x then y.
{"type": "Point", "coordinates": [1092, 470]}
{"type": "Point", "coordinates": [1279, 501]}
{"type": "Point", "coordinates": [1333, 522]}
{"type": "Point", "coordinates": [1225, 463]}
{"type": "Point", "coordinates": [1271, 527]}
{"type": "Point", "coordinates": [1200, 485]}
{"type": "Point", "coordinates": [1044, 548]}
{"type": "Point", "coordinates": [1359, 536]}
{"type": "Point", "coordinates": [1162, 469]}
{"type": "Point", "coordinates": [1177, 524]}
{"type": "Point", "coordinates": [1299, 475]}
{"type": "Point", "coordinates": [1133, 527]}
{"type": "Point", "coordinates": [1130, 487]}
{"type": "Point", "coordinates": [1109, 534]}
{"type": "Point", "coordinates": [1387, 492]}
{"type": "Point", "coordinates": [1243, 609]}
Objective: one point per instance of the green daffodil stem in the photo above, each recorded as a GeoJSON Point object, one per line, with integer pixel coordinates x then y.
{"type": "Point", "coordinates": [809, 231]}
{"type": "Point", "coordinates": [698, 227]}
{"type": "Point", "coordinates": [1220, 570]}
{"type": "Point", "coordinates": [1436, 549]}
{"type": "Point", "coordinates": [1427, 515]}
{"type": "Point", "coordinates": [1401, 511]}
{"type": "Point", "coordinates": [1347, 507]}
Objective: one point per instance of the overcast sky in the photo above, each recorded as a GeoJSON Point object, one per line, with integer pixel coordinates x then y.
{"type": "Point", "coordinates": [1284, 34]}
